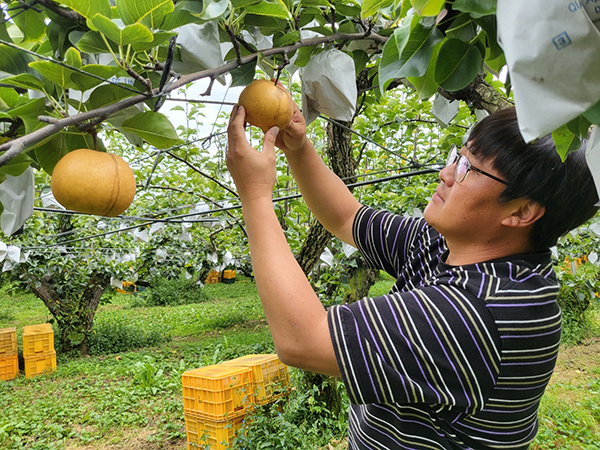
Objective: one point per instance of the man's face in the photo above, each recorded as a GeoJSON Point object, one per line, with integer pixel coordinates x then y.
{"type": "Point", "coordinates": [469, 209]}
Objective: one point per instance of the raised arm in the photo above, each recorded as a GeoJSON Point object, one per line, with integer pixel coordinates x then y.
{"type": "Point", "coordinates": [324, 192]}
{"type": "Point", "coordinates": [296, 317]}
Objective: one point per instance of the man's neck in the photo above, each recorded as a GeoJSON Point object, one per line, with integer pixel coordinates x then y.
{"type": "Point", "coordinates": [472, 252]}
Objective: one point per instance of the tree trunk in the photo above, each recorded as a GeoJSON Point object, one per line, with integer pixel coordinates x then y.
{"type": "Point", "coordinates": [74, 314]}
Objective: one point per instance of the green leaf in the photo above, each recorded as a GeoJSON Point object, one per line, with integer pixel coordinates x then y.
{"type": "Point", "coordinates": [13, 61]}
{"type": "Point", "coordinates": [209, 9]}
{"type": "Point", "coordinates": [9, 97]}
{"type": "Point", "coordinates": [16, 166]}
{"type": "Point", "coordinates": [85, 82]}
{"type": "Point", "coordinates": [151, 13]}
{"type": "Point", "coordinates": [106, 95]}
{"type": "Point", "coordinates": [490, 26]}
{"type": "Point", "coordinates": [160, 37]}
{"type": "Point", "coordinates": [580, 126]}
{"type": "Point", "coordinates": [73, 58]}
{"type": "Point", "coordinates": [29, 107]}
{"type": "Point", "coordinates": [154, 128]}
{"type": "Point", "coordinates": [565, 141]}
{"type": "Point", "coordinates": [92, 42]}
{"type": "Point", "coordinates": [179, 17]}
{"type": "Point", "coordinates": [593, 114]}
{"type": "Point", "coordinates": [57, 74]}
{"type": "Point", "coordinates": [289, 38]}
{"type": "Point", "coordinates": [243, 75]}
{"type": "Point", "coordinates": [372, 7]}
{"type": "Point", "coordinates": [130, 34]}
{"type": "Point", "coordinates": [25, 81]}
{"type": "Point", "coordinates": [428, 8]}
{"type": "Point", "coordinates": [89, 8]}
{"type": "Point", "coordinates": [29, 21]}
{"type": "Point", "coordinates": [457, 65]}
{"type": "Point", "coordinates": [477, 8]}
{"type": "Point", "coordinates": [273, 8]}
{"type": "Point", "coordinates": [408, 52]}
{"type": "Point", "coordinates": [52, 150]}
{"type": "Point", "coordinates": [425, 85]}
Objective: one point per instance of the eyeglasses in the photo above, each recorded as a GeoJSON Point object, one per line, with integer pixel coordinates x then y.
{"type": "Point", "coordinates": [463, 166]}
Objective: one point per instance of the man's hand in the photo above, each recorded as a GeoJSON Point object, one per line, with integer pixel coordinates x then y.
{"type": "Point", "coordinates": [253, 172]}
{"type": "Point", "coordinates": [293, 137]}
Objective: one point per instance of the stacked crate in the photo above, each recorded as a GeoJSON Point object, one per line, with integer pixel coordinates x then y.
{"type": "Point", "coordinates": [38, 349]}
{"type": "Point", "coordinates": [216, 400]}
{"type": "Point", "coordinates": [270, 377]}
{"type": "Point", "coordinates": [9, 357]}
{"type": "Point", "coordinates": [213, 277]}
{"type": "Point", "coordinates": [229, 276]}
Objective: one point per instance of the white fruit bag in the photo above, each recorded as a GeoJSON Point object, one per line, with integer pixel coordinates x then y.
{"type": "Point", "coordinates": [552, 49]}
{"type": "Point", "coordinates": [329, 86]}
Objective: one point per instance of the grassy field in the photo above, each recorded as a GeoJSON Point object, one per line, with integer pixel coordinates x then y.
{"type": "Point", "coordinates": [132, 400]}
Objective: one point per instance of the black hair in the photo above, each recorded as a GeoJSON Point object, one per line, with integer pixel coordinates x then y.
{"type": "Point", "coordinates": [536, 171]}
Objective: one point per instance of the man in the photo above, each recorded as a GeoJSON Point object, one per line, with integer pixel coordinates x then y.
{"type": "Point", "coordinates": [458, 354]}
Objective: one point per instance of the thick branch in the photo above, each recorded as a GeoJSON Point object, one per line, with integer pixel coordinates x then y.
{"type": "Point", "coordinates": [479, 95]}
{"type": "Point", "coordinates": [63, 12]}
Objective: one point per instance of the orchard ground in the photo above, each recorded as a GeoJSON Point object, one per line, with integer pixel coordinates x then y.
{"type": "Point", "coordinates": [132, 399]}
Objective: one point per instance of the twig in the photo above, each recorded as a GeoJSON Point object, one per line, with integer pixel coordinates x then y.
{"type": "Point", "coordinates": [145, 81]}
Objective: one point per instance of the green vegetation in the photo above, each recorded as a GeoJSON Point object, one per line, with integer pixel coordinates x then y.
{"type": "Point", "coordinates": [124, 397]}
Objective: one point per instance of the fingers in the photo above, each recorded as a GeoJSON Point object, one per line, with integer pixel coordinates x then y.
{"type": "Point", "coordinates": [268, 146]}
{"type": "Point", "coordinates": [236, 122]}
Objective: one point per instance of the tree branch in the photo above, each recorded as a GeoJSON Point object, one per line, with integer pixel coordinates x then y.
{"type": "Point", "coordinates": [63, 12]}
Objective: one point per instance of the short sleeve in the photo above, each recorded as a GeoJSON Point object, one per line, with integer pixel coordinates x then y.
{"type": "Point", "coordinates": [436, 346]}
{"type": "Point", "coordinates": [387, 240]}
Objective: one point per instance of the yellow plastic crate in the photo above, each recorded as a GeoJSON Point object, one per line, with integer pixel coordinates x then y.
{"type": "Point", "coordinates": [9, 366]}
{"type": "Point", "coordinates": [217, 392]}
{"type": "Point", "coordinates": [40, 363]}
{"type": "Point", "coordinates": [38, 339]}
{"type": "Point", "coordinates": [204, 433]}
{"type": "Point", "coordinates": [270, 377]}
{"type": "Point", "coordinates": [8, 341]}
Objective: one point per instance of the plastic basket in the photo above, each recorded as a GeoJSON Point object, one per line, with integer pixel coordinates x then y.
{"type": "Point", "coordinates": [8, 341]}
{"type": "Point", "coordinates": [270, 377]}
{"type": "Point", "coordinates": [9, 366]}
{"type": "Point", "coordinates": [38, 339]}
{"type": "Point", "coordinates": [39, 364]}
{"type": "Point", "coordinates": [204, 433]}
{"type": "Point", "coordinates": [217, 392]}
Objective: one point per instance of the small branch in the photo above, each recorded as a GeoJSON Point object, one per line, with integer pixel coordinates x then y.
{"type": "Point", "coordinates": [145, 81]}
{"type": "Point", "coordinates": [209, 88]}
{"type": "Point", "coordinates": [86, 127]}
{"type": "Point", "coordinates": [236, 44]}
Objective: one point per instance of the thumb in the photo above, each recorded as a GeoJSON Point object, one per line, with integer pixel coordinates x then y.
{"type": "Point", "coordinates": [269, 140]}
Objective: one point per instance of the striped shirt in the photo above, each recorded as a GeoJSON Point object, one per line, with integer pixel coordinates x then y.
{"type": "Point", "coordinates": [454, 357]}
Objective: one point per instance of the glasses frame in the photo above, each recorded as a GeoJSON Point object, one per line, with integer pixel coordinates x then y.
{"type": "Point", "coordinates": [454, 156]}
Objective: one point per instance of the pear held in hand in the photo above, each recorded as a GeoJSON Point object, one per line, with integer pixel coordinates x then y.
{"type": "Point", "coordinates": [267, 105]}
{"type": "Point", "coordinates": [93, 182]}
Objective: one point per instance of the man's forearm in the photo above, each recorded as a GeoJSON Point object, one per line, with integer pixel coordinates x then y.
{"type": "Point", "coordinates": [296, 317]}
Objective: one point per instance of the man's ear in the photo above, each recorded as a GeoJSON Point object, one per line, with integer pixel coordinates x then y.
{"type": "Point", "coordinates": [523, 213]}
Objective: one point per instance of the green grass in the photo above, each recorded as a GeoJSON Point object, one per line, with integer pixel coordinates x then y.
{"type": "Point", "coordinates": [133, 400]}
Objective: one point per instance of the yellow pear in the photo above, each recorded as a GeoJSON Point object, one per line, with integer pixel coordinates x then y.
{"type": "Point", "coordinates": [93, 182]}
{"type": "Point", "coordinates": [267, 104]}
